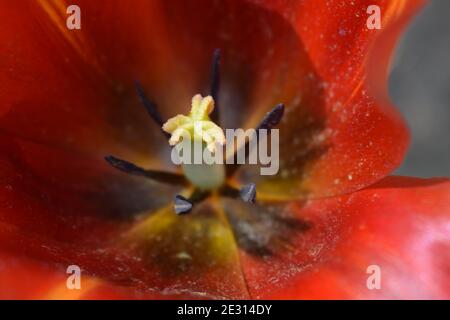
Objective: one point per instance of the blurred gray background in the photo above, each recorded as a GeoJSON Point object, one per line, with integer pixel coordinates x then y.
{"type": "Point", "coordinates": [420, 87]}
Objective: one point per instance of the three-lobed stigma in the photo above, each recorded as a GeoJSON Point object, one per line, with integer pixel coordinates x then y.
{"type": "Point", "coordinates": [197, 126]}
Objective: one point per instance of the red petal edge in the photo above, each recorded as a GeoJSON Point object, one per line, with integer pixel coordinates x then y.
{"type": "Point", "coordinates": [400, 224]}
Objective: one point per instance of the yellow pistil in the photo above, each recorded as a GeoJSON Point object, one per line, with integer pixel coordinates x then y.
{"type": "Point", "coordinates": [197, 125]}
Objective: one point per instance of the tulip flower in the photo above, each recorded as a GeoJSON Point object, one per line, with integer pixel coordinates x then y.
{"type": "Point", "coordinates": [140, 227]}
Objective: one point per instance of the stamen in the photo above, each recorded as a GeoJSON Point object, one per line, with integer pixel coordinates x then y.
{"type": "Point", "coordinates": [159, 176]}
{"type": "Point", "coordinates": [215, 84]}
{"type": "Point", "coordinates": [270, 120]}
{"type": "Point", "coordinates": [248, 193]}
{"type": "Point", "coordinates": [182, 205]}
{"type": "Point", "coordinates": [150, 107]}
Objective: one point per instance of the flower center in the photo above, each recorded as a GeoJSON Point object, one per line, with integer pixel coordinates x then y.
{"type": "Point", "coordinates": [197, 134]}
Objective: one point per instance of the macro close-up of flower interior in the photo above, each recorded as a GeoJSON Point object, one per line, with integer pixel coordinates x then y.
{"type": "Point", "coordinates": [97, 96]}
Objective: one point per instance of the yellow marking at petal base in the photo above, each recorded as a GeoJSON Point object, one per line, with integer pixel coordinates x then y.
{"type": "Point", "coordinates": [275, 190]}
{"type": "Point", "coordinates": [191, 252]}
{"type": "Point", "coordinates": [61, 292]}
{"type": "Point", "coordinates": [166, 237]}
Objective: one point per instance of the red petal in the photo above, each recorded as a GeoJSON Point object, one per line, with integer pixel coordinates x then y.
{"type": "Point", "coordinates": [75, 89]}
{"type": "Point", "coordinates": [349, 136]}
{"type": "Point", "coordinates": [333, 239]}
{"type": "Point", "coordinates": [64, 209]}
{"type": "Point", "coordinates": [401, 225]}
{"type": "Point", "coordinates": [28, 279]}
{"type": "Point", "coordinates": [43, 188]}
